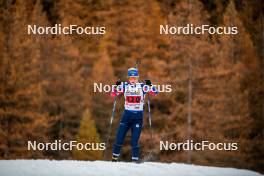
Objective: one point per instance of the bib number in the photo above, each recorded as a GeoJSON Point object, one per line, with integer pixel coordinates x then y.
{"type": "Point", "coordinates": [133, 99]}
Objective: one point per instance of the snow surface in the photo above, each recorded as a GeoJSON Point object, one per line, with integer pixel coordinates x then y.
{"type": "Point", "coordinates": [104, 168]}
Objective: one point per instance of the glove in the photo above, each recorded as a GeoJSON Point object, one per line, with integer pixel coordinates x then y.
{"type": "Point", "coordinates": [118, 83]}
{"type": "Point", "coordinates": [148, 82]}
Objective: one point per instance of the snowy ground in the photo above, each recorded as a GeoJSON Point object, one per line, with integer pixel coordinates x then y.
{"type": "Point", "coordinates": [103, 168]}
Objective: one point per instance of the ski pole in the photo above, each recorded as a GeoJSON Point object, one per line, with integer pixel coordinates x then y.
{"type": "Point", "coordinates": [149, 156]}
{"type": "Point", "coordinates": [149, 115]}
{"type": "Point", "coordinates": [137, 63]}
{"type": "Point", "coordinates": [150, 121]}
{"type": "Point", "coordinates": [110, 127]}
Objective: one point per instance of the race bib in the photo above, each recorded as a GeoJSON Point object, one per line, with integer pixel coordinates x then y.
{"type": "Point", "coordinates": [133, 99]}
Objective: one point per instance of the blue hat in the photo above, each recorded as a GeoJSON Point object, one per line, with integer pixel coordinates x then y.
{"type": "Point", "coordinates": [132, 72]}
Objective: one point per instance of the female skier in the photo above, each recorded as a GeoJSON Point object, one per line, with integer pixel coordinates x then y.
{"type": "Point", "coordinates": [132, 118]}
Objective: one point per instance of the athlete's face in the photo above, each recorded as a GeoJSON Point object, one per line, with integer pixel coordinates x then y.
{"type": "Point", "coordinates": [133, 80]}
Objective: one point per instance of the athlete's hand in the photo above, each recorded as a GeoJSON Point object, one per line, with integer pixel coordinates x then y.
{"type": "Point", "coordinates": [118, 83]}
{"type": "Point", "coordinates": [148, 82]}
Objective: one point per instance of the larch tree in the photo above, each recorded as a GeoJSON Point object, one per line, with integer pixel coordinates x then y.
{"type": "Point", "coordinates": [88, 135]}
{"type": "Point", "coordinates": [244, 121]}
{"type": "Point", "coordinates": [21, 119]}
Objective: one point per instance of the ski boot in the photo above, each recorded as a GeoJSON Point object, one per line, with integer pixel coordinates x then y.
{"type": "Point", "coordinates": [114, 158]}
{"type": "Point", "coordinates": [137, 161]}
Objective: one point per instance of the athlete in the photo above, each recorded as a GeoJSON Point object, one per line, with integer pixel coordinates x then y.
{"type": "Point", "coordinates": [134, 93]}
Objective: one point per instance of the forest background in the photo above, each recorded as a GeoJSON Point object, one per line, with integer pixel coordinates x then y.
{"type": "Point", "coordinates": [46, 81]}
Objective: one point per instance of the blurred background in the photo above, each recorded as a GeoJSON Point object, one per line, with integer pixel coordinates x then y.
{"type": "Point", "coordinates": [46, 81]}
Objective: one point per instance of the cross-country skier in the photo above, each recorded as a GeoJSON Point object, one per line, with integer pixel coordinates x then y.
{"type": "Point", "coordinates": [132, 118]}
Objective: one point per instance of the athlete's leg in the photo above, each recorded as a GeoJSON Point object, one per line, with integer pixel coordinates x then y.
{"type": "Point", "coordinates": [120, 136]}
{"type": "Point", "coordinates": [136, 131]}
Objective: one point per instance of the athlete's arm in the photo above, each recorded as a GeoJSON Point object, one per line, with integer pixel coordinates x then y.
{"type": "Point", "coordinates": [151, 89]}
{"type": "Point", "coordinates": [119, 89]}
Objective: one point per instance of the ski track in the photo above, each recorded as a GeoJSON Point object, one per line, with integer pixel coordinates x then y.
{"type": "Point", "coordinates": [105, 168]}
